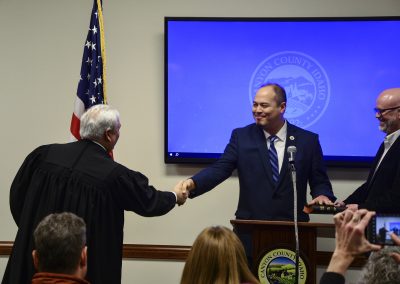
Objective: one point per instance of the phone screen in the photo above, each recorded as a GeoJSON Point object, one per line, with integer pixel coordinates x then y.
{"type": "Point", "coordinates": [380, 228]}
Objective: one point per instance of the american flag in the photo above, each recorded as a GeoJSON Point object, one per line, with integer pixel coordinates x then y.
{"type": "Point", "coordinates": [92, 84]}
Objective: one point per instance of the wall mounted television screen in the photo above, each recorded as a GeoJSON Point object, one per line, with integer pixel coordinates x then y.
{"type": "Point", "coordinates": [332, 70]}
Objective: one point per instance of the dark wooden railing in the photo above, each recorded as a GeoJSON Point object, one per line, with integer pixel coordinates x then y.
{"type": "Point", "coordinates": [178, 253]}
{"type": "Point", "coordinates": [130, 251]}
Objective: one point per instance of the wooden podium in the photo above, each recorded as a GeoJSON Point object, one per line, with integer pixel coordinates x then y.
{"type": "Point", "coordinates": [272, 235]}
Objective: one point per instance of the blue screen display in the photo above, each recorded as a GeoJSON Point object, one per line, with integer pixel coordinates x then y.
{"type": "Point", "coordinates": [331, 69]}
{"type": "Point", "coordinates": [387, 225]}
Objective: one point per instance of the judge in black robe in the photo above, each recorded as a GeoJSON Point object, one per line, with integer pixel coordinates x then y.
{"type": "Point", "coordinates": [80, 177]}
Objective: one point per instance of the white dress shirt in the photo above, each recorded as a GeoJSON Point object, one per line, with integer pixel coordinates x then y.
{"type": "Point", "coordinates": [388, 142]}
{"type": "Point", "coordinates": [279, 143]}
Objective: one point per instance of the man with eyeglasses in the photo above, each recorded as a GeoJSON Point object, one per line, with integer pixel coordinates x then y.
{"type": "Point", "coordinates": [381, 191]}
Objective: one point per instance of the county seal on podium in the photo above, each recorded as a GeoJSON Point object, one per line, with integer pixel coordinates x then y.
{"type": "Point", "coordinates": [278, 266]}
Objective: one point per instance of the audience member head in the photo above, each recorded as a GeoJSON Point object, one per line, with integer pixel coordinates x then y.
{"type": "Point", "coordinates": [381, 267]}
{"type": "Point", "coordinates": [217, 256]}
{"type": "Point", "coordinates": [59, 241]}
{"type": "Point", "coordinates": [387, 110]}
{"type": "Point", "coordinates": [101, 123]}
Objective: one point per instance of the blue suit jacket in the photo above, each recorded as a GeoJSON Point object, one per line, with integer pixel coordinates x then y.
{"type": "Point", "coordinates": [259, 198]}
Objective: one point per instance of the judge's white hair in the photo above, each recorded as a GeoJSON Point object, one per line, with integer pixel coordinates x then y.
{"type": "Point", "coordinates": [97, 120]}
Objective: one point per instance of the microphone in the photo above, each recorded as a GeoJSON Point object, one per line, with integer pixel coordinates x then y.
{"type": "Point", "coordinates": [291, 150]}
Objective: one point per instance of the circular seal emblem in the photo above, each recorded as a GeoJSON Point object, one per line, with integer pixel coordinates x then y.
{"type": "Point", "coordinates": [278, 266]}
{"type": "Point", "coordinates": [305, 81]}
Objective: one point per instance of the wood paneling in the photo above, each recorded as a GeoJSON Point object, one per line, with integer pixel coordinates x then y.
{"type": "Point", "coordinates": [179, 253]}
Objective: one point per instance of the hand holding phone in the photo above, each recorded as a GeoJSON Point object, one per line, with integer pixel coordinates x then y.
{"type": "Point", "coordinates": [350, 238]}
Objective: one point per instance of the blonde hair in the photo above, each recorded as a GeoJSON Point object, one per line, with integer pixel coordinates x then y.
{"type": "Point", "coordinates": [217, 256]}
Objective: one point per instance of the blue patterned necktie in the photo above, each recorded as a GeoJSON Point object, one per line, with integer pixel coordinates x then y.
{"type": "Point", "coordinates": [273, 158]}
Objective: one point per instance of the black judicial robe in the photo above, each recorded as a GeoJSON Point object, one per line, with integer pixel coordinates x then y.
{"type": "Point", "coordinates": [79, 177]}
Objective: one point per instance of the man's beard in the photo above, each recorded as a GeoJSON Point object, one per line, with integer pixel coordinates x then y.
{"type": "Point", "coordinates": [385, 126]}
{"type": "Point", "coordinates": [382, 128]}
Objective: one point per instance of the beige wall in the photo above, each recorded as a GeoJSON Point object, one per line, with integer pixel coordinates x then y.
{"type": "Point", "coordinates": [40, 52]}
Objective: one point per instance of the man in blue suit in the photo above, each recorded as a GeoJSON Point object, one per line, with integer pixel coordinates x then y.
{"type": "Point", "coordinates": [381, 191]}
{"type": "Point", "coordinates": [263, 197]}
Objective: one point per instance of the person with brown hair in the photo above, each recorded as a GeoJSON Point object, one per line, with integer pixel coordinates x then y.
{"type": "Point", "coordinates": [60, 254]}
{"type": "Point", "coordinates": [217, 256]}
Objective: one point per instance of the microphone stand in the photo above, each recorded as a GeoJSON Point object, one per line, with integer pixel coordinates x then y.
{"type": "Point", "coordinates": [296, 229]}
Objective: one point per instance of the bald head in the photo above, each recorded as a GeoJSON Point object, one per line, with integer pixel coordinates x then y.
{"type": "Point", "coordinates": [388, 110]}
{"type": "Point", "coordinates": [391, 97]}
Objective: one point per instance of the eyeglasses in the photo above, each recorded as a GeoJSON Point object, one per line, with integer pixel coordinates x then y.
{"type": "Point", "coordinates": [380, 111]}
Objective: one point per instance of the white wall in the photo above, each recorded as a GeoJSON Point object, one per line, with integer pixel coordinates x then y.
{"type": "Point", "coordinates": [41, 45]}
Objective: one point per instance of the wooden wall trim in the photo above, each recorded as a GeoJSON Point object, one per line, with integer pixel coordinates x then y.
{"type": "Point", "coordinates": [130, 251]}
{"type": "Point", "coordinates": [180, 253]}
{"type": "Point", "coordinates": [166, 252]}
{"type": "Point", "coordinates": [5, 248]}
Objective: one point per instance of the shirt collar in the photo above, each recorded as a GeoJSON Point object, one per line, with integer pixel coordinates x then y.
{"type": "Point", "coordinates": [391, 138]}
{"type": "Point", "coordinates": [281, 134]}
{"type": "Point", "coordinates": [99, 145]}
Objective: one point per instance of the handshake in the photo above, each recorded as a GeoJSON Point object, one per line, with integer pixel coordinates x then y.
{"type": "Point", "coordinates": [182, 190]}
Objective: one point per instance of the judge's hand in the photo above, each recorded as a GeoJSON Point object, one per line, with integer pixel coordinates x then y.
{"type": "Point", "coordinates": [396, 240]}
{"type": "Point", "coordinates": [181, 193]}
{"type": "Point", "coordinates": [322, 199]}
{"type": "Point", "coordinates": [350, 238]}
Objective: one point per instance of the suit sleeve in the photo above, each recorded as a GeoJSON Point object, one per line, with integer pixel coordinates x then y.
{"type": "Point", "coordinates": [319, 180]}
{"type": "Point", "coordinates": [133, 192]}
{"type": "Point", "coordinates": [21, 182]}
{"type": "Point", "coordinates": [381, 190]}
{"type": "Point", "coordinates": [358, 196]}
{"type": "Point", "coordinates": [361, 193]}
{"type": "Point", "coordinates": [386, 197]}
{"type": "Point", "coordinates": [222, 169]}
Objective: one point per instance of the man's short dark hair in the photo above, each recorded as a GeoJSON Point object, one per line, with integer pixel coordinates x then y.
{"type": "Point", "coordinates": [279, 91]}
{"type": "Point", "coordinates": [59, 240]}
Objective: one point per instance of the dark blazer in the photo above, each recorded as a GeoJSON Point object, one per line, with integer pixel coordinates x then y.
{"type": "Point", "coordinates": [381, 191]}
{"type": "Point", "coordinates": [259, 198]}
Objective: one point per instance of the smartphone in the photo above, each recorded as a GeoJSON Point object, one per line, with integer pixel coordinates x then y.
{"type": "Point", "coordinates": [381, 226]}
